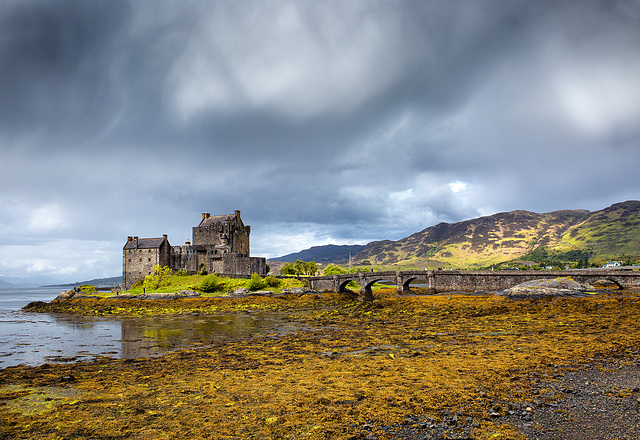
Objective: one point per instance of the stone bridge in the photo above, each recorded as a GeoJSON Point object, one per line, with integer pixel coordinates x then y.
{"type": "Point", "coordinates": [464, 280]}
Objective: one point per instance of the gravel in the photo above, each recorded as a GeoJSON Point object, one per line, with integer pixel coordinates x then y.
{"type": "Point", "coordinates": [596, 401]}
{"type": "Point", "coordinates": [600, 400]}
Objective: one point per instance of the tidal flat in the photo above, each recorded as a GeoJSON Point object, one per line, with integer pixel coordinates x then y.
{"type": "Point", "coordinates": [419, 367]}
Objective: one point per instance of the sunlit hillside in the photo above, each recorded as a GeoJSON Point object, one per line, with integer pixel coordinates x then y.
{"type": "Point", "coordinates": [518, 235]}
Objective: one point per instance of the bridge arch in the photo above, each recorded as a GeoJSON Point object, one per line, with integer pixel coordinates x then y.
{"type": "Point", "coordinates": [342, 286]}
{"type": "Point", "coordinates": [406, 282]}
{"type": "Point", "coordinates": [610, 279]}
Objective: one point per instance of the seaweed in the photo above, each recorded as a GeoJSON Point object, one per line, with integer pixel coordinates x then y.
{"type": "Point", "coordinates": [365, 369]}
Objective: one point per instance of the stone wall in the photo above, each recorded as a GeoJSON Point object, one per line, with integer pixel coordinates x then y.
{"type": "Point", "coordinates": [139, 262]}
{"type": "Point", "coordinates": [220, 244]}
{"type": "Point", "coordinates": [466, 281]}
{"type": "Point", "coordinates": [240, 264]}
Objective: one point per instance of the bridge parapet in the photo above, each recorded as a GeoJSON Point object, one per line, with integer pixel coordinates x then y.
{"type": "Point", "coordinates": [465, 281]}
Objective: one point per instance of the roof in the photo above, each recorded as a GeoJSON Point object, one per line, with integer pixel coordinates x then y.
{"type": "Point", "coordinates": [212, 220]}
{"type": "Point", "coordinates": [145, 243]}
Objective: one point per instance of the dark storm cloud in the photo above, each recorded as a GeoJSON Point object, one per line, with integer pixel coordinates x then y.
{"type": "Point", "coordinates": [55, 65]}
{"type": "Point", "coordinates": [322, 121]}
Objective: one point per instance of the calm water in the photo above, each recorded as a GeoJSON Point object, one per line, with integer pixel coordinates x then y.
{"type": "Point", "coordinates": [37, 338]}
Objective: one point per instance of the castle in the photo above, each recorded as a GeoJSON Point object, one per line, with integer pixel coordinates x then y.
{"type": "Point", "coordinates": [220, 244]}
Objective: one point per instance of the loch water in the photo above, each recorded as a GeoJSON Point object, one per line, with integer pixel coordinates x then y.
{"type": "Point", "coordinates": [37, 338]}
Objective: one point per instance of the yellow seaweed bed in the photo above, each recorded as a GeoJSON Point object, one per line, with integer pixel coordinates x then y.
{"type": "Point", "coordinates": [362, 369]}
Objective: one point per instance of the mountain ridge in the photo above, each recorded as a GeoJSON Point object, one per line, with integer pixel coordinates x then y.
{"type": "Point", "coordinates": [504, 237]}
{"type": "Point", "coordinates": [511, 235]}
{"type": "Point", "coordinates": [330, 253]}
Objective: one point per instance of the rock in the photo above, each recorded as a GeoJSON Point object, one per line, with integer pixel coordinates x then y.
{"type": "Point", "coordinates": [74, 293]}
{"type": "Point", "coordinates": [563, 286]}
{"type": "Point", "coordinates": [262, 292]}
{"type": "Point", "coordinates": [179, 295]}
{"type": "Point", "coordinates": [66, 294]}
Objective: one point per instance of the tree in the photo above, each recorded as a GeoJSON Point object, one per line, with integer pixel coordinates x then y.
{"type": "Point", "coordinates": [299, 268]}
{"type": "Point", "coordinates": [288, 269]}
{"type": "Point", "coordinates": [332, 269]}
{"type": "Point", "coordinates": [160, 277]}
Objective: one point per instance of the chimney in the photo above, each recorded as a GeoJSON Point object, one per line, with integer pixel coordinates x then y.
{"type": "Point", "coordinates": [164, 236]}
{"type": "Point", "coordinates": [129, 238]}
{"type": "Point", "coordinates": [237, 215]}
{"type": "Point", "coordinates": [205, 215]}
{"type": "Point", "coordinates": [136, 240]}
{"type": "Point", "coordinates": [187, 243]}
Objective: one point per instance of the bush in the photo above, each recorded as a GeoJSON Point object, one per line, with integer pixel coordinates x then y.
{"type": "Point", "coordinates": [256, 282]}
{"type": "Point", "coordinates": [88, 288]}
{"type": "Point", "coordinates": [211, 283]}
{"type": "Point", "coordinates": [161, 277]}
{"type": "Point", "coordinates": [272, 281]}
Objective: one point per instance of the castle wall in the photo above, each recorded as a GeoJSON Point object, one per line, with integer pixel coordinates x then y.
{"type": "Point", "coordinates": [235, 264]}
{"type": "Point", "coordinates": [230, 232]}
{"type": "Point", "coordinates": [220, 244]}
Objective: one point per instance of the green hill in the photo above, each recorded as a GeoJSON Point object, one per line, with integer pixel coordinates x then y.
{"type": "Point", "coordinates": [568, 235]}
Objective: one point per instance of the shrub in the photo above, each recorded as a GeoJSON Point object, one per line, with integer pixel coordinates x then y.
{"type": "Point", "coordinates": [150, 283]}
{"type": "Point", "coordinates": [256, 282]}
{"type": "Point", "coordinates": [88, 288]}
{"type": "Point", "coordinates": [161, 277]}
{"type": "Point", "coordinates": [272, 281]}
{"type": "Point", "coordinates": [210, 283]}
{"type": "Point", "coordinates": [203, 270]}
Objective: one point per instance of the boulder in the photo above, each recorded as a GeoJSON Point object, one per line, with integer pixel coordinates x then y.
{"type": "Point", "coordinates": [67, 294]}
{"type": "Point", "coordinates": [75, 293]}
{"type": "Point", "coordinates": [564, 286]}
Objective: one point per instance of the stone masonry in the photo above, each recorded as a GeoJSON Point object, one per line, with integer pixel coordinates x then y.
{"type": "Point", "coordinates": [220, 244]}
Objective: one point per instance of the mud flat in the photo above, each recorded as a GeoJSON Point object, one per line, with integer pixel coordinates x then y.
{"type": "Point", "coordinates": [445, 366]}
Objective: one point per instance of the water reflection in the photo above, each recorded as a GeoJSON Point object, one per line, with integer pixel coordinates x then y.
{"type": "Point", "coordinates": [152, 336]}
{"type": "Point", "coordinates": [33, 339]}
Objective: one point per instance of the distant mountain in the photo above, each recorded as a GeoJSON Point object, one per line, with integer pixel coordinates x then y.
{"type": "Point", "coordinates": [324, 254]}
{"type": "Point", "coordinates": [6, 284]}
{"type": "Point", "coordinates": [98, 282]}
{"type": "Point", "coordinates": [508, 236]}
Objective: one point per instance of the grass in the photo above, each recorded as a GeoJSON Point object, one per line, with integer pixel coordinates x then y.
{"type": "Point", "coordinates": [363, 368]}
{"type": "Point", "coordinates": [175, 283]}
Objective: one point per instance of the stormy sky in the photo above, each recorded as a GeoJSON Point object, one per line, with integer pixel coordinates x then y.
{"type": "Point", "coordinates": [322, 121]}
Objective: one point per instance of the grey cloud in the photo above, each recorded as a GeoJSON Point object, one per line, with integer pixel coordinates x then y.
{"type": "Point", "coordinates": [321, 121]}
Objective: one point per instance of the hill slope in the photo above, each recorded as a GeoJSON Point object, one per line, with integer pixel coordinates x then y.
{"type": "Point", "coordinates": [507, 236]}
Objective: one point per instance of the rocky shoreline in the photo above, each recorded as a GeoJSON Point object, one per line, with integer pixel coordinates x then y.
{"type": "Point", "coordinates": [413, 367]}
